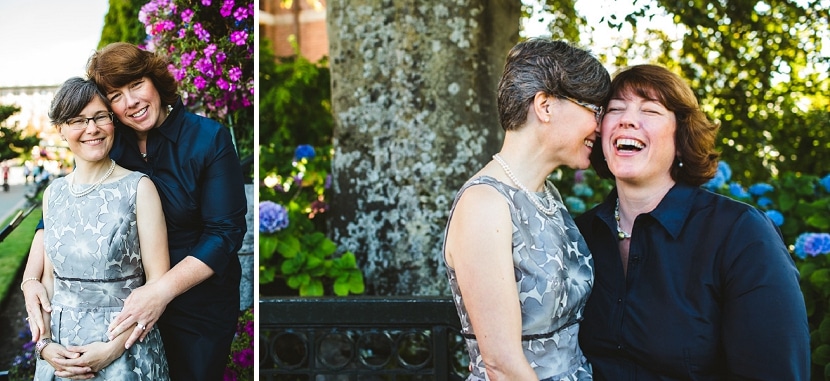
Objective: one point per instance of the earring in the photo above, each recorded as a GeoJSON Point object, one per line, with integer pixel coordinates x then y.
{"type": "Point", "coordinates": [680, 164]}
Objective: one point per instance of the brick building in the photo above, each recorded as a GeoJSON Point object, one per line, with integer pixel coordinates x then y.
{"type": "Point", "coordinates": [303, 19]}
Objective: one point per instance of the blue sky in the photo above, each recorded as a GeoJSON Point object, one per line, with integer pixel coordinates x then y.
{"type": "Point", "coordinates": [44, 42]}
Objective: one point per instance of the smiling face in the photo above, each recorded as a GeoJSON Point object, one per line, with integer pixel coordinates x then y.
{"type": "Point", "coordinates": [92, 142]}
{"type": "Point", "coordinates": [138, 105]}
{"type": "Point", "coordinates": [638, 139]}
{"type": "Point", "coordinates": [575, 129]}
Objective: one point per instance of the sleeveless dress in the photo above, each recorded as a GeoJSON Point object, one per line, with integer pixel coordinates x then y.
{"type": "Point", "coordinates": [92, 242]}
{"type": "Point", "coordinates": [554, 274]}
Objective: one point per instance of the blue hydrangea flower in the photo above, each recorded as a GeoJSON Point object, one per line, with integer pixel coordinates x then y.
{"type": "Point", "coordinates": [304, 151]}
{"type": "Point", "coordinates": [759, 189]}
{"type": "Point", "coordinates": [272, 217]}
{"type": "Point", "coordinates": [716, 182]}
{"type": "Point", "coordinates": [776, 217]}
{"type": "Point", "coordinates": [825, 182]}
{"type": "Point", "coordinates": [583, 190]}
{"type": "Point", "coordinates": [575, 204]}
{"type": "Point", "coordinates": [813, 244]}
{"type": "Point", "coordinates": [738, 191]}
{"type": "Point", "coordinates": [724, 169]}
{"type": "Point", "coordinates": [764, 202]}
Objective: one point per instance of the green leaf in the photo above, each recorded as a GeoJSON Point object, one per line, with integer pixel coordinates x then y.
{"type": "Point", "coordinates": [819, 221]}
{"type": "Point", "coordinates": [786, 201]}
{"type": "Point", "coordinates": [313, 288]}
{"type": "Point", "coordinates": [356, 284]}
{"type": "Point", "coordinates": [341, 287]}
{"type": "Point", "coordinates": [288, 247]}
{"type": "Point", "coordinates": [267, 246]}
{"type": "Point", "coordinates": [821, 355]}
{"type": "Point", "coordinates": [820, 278]}
{"type": "Point", "coordinates": [266, 274]}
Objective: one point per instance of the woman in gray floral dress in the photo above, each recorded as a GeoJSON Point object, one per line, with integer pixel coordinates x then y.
{"type": "Point", "coordinates": [519, 270]}
{"type": "Point", "coordinates": [105, 236]}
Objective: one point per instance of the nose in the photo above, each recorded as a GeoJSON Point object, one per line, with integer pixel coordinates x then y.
{"type": "Point", "coordinates": [628, 118]}
{"type": "Point", "coordinates": [90, 122]}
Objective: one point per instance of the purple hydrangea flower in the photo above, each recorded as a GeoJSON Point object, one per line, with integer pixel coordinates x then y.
{"type": "Point", "coordinates": [272, 217]}
{"type": "Point", "coordinates": [760, 188]}
{"type": "Point", "coordinates": [304, 151]}
{"type": "Point", "coordinates": [812, 244]}
{"type": "Point", "coordinates": [776, 217]}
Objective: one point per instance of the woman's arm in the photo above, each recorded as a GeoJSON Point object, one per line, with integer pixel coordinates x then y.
{"type": "Point", "coordinates": [765, 331]}
{"type": "Point", "coordinates": [34, 293]}
{"type": "Point", "coordinates": [479, 248]}
{"type": "Point", "coordinates": [63, 360]}
{"type": "Point", "coordinates": [154, 296]}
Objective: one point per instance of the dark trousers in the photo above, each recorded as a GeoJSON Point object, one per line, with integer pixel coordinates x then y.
{"type": "Point", "coordinates": [197, 336]}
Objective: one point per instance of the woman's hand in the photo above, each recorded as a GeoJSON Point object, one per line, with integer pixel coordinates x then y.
{"type": "Point", "coordinates": [141, 311]}
{"type": "Point", "coordinates": [35, 296]}
{"type": "Point", "coordinates": [60, 358]}
{"type": "Point", "coordinates": [94, 356]}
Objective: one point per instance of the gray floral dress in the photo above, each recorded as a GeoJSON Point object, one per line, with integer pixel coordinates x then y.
{"type": "Point", "coordinates": [92, 242]}
{"type": "Point", "coordinates": [554, 275]}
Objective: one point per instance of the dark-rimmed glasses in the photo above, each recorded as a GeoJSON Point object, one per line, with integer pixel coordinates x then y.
{"type": "Point", "coordinates": [597, 110]}
{"type": "Point", "coordinates": [80, 123]}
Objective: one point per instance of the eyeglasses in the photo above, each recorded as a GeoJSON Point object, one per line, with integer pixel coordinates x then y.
{"type": "Point", "coordinates": [80, 123]}
{"type": "Point", "coordinates": [597, 110]}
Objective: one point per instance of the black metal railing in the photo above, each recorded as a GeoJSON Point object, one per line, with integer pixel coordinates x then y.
{"type": "Point", "coordinates": [360, 338]}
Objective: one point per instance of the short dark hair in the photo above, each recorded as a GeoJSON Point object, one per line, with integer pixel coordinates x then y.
{"type": "Point", "coordinates": [695, 135]}
{"type": "Point", "coordinates": [71, 98]}
{"type": "Point", "coordinates": [555, 68]}
{"type": "Point", "coordinates": [120, 63]}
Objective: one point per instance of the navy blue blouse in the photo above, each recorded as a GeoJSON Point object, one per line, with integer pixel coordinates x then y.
{"type": "Point", "coordinates": [711, 294]}
{"type": "Point", "coordinates": [192, 161]}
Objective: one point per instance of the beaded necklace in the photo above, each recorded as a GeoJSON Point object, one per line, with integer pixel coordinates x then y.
{"type": "Point", "coordinates": [548, 196]}
{"type": "Point", "coordinates": [93, 186]}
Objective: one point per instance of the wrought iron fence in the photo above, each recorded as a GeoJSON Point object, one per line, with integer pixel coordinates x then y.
{"type": "Point", "coordinates": [362, 338]}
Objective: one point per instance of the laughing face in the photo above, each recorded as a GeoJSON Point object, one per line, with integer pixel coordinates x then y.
{"type": "Point", "coordinates": [638, 139]}
{"type": "Point", "coordinates": [138, 105]}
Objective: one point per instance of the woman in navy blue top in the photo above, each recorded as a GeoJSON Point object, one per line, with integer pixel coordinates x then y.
{"type": "Point", "coordinates": [193, 163]}
{"type": "Point", "coordinates": [690, 285]}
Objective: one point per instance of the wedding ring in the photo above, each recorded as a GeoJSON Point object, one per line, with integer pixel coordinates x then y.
{"type": "Point", "coordinates": [142, 326]}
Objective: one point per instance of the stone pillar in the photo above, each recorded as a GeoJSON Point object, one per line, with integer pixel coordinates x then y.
{"type": "Point", "coordinates": [414, 104]}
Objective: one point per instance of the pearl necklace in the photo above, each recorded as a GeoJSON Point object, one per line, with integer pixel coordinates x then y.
{"type": "Point", "coordinates": [93, 186]}
{"type": "Point", "coordinates": [620, 233]}
{"type": "Point", "coordinates": [548, 196]}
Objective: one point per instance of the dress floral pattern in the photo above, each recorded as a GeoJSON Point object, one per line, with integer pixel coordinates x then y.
{"type": "Point", "coordinates": [554, 274]}
{"type": "Point", "coordinates": [92, 242]}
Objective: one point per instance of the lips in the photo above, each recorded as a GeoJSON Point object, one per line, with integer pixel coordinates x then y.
{"type": "Point", "coordinates": [629, 145]}
{"type": "Point", "coordinates": [93, 141]}
{"type": "Point", "coordinates": [588, 143]}
{"type": "Point", "coordinates": [140, 113]}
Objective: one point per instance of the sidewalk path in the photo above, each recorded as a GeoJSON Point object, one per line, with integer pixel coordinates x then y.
{"type": "Point", "coordinates": [12, 201]}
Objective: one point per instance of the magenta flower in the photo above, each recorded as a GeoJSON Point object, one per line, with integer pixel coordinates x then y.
{"type": "Point", "coordinates": [206, 3]}
{"type": "Point", "coordinates": [210, 50]}
{"type": "Point", "coordinates": [221, 57]}
{"type": "Point", "coordinates": [201, 32]}
{"type": "Point", "coordinates": [227, 8]}
{"type": "Point", "coordinates": [187, 15]}
{"type": "Point", "coordinates": [235, 73]}
{"type": "Point", "coordinates": [244, 358]}
{"type": "Point", "coordinates": [199, 82]}
{"type": "Point", "coordinates": [241, 14]}
{"type": "Point", "coordinates": [239, 37]}
{"type": "Point", "coordinates": [222, 84]}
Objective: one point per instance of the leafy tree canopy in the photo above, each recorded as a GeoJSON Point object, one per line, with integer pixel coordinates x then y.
{"type": "Point", "coordinates": [121, 23]}
{"type": "Point", "coordinates": [760, 69]}
{"type": "Point", "coordinates": [14, 143]}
